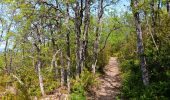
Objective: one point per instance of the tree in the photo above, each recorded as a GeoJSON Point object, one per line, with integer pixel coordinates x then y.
{"type": "Point", "coordinates": [86, 29]}
{"type": "Point", "coordinates": [140, 47]}
{"type": "Point", "coordinates": [68, 46]}
{"type": "Point", "coordinates": [78, 10]}
{"type": "Point", "coordinates": [168, 7]}
{"type": "Point", "coordinates": [98, 29]}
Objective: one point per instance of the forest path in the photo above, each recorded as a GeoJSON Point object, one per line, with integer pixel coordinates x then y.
{"type": "Point", "coordinates": [109, 86]}
{"type": "Point", "coordinates": [110, 82]}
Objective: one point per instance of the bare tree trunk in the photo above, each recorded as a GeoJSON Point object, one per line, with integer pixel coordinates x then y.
{"type": "Point", "coordinates": [78, 23]}
{"type": "Point", "coordinates": [54, 65]}
{"type": "Point", "coordinates": [68, 47]}
{"type": "Point", "coordinates": [38, 67]}
{"type": "Point", "coordinates": [40, 77]}
{"type": "Point", "coordinates": [62, 68]}
{"type": "Point", "coordinates": [96, 43]}
{"type": "Point", "coordinates": [54, 62]}
{"type": "Point", "coordinates": [140, 46]}
{"type": "Point", "coordinates": [6, 45]}
{"type": "Point", "coordinates": [6, 50]}
{"type": "Point", "coordinates": [5, 58]}
{"type": "Point", "coordinates": [153, 17]}
{"type": "Point", "coordinates": [86, 29]}
{"type": "Point", "coordinates": [39, 62]}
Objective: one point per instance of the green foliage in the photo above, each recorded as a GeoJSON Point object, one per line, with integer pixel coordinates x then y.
{"type": "Point", "coordinates": [157, 64]}
{"type": "Point", "coordinates": [1, 64]}
{"type": "Point", "coordinates": [77, 96]}
{"type": "Point", "coordinates": [50, 83]}
{"type": "Point", "coordinates": [77, 90]}
{"type": "Point", "coordinates": [37, 24]}
{"type": "Point", "coordinates": [80, 86]}
{"type": "Point", "coordinates": [103, 58]}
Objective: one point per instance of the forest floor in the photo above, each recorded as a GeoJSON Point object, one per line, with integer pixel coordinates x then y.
{"type": "Point", "coordinates": [110, 82]}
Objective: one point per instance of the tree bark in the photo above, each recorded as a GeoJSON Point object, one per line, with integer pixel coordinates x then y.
{"type": "Point", "coordinates": [40, 78]}
{"type": "Point", "coordinates": [96, 43]}
{"type": "Point", "coordinates": [39, 62]}
{"type": "Point", "coordinates": [5, 58]}
{"type": "Point", "coordinates": [153, 17]}
{"type": "Point", "coordinates": [54, 66]}
{"type": "Point", "coordinates": [68, 46]}
{"type": "Point", "coordinates": [140, 47]}
{"type": "Point", "coordinates": [78, 23]}
{"type": "Point", "coordinates": [38, 67]}
{"type": "Point", "coordinates": [62, 69]}
{"type": "Point", "coordinates": [7, 68]}
{"type": "Point", "coordinates": [86, 29]}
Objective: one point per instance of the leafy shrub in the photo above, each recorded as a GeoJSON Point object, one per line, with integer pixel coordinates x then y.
{"type": "Point", "coordinates": [77, 90]}
{"type": "Point", "coordinates": [157, 63]}
{"type": "Point", "coordinates": [80, 86]}
{"type": "Point", "coordinates": [103, 58]}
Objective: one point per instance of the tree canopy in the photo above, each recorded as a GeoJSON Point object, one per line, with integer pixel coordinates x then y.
{"type": "Point", "coordinates": [64, 45]}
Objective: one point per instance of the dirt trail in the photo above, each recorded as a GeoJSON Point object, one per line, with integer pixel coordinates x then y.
{"type": "Point", "coordinates": [110, 82]}
{"type": "Point", "coordinates": [109, 86]}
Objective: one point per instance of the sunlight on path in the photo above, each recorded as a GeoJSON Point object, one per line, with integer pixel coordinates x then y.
{"type": "Point", "coordinates": [109, 87]}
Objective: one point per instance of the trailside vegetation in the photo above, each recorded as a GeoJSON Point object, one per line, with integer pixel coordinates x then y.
{"type": "Point", "coordinates": [62, 47]}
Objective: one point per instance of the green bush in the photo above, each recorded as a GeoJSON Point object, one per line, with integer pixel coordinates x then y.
{"type": "Point", "coordinates": [103, 58]}
{"type": "Point", "coordinates": [158, 67]}
{"type": "Point", "coordinates": [82, 85]}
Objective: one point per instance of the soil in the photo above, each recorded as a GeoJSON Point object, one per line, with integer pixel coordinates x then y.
{"type": "Point", "coordinates": [110, 82]}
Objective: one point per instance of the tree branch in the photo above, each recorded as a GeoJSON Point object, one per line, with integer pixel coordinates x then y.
{"type": "Point", "coordinates": [116, 28]}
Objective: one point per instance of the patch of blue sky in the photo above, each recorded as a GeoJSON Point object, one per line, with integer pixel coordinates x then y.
{"type": "Point", "coordinates": [119, 8]}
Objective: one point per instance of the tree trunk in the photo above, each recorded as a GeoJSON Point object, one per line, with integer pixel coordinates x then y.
{"type": "Point", "coordinates": [86, 29]}
{"type": "Point", "coordinates": [168, 7]}
{"type": "Point", "coordinates": [140, 46]}
{"type": "Point", "coordinates": [54, 65]}
{"type": "Point", "coordinates": [38, 67]}
{"type": "Point", "coordinates": [7, 69]}
{"type": "Point", "coordinates": [6, 50]}
{"type": "Point", "coordinates": [78, 23]}
{"type": "Point", "coordinates": [39, 62]}
{"type": "Point", "coordinates": [5, 58]}
{"type": "Point", "coordinates": [153, 17]}
{"type": "Point", "coordinates": [62, 69]}
{"type": "Point", "coordinates": [40, 77]}
{"type": "Point", "coordinates": [68, 47]}
{"type": "Point", "coordinates": [54, 62]}
{"type": "Point", "coordinates": [96, 43]}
